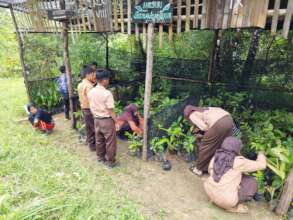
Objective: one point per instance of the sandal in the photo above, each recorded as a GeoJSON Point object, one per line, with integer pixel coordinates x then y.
{"type": "Point", "coordinates": [195, 171]}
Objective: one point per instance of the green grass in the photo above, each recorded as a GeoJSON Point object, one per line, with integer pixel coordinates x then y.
{"type": "Point", "coordinates": [41, 181]}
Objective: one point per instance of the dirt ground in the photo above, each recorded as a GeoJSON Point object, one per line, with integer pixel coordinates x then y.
{"type": "Point", "coordinates": [175, 194]}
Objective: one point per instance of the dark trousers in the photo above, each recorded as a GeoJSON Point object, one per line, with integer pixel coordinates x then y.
{"type": "Point", "coordinates": [90, 128]}
{"type": "Point", "coordinates": [248, 188]}
{"type": "Point", "coordinates": [106, 143]}
{"type": "Point", "coordinates": [125, 128]}
{"type": "Point", "coordinates": [66, 106]}
{"type": "Point", "coordinates": [212, 140]}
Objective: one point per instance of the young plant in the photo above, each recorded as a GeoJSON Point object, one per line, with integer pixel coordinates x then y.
{"type": "Point", "coordinates": [158, 145]}
{"type": "Point", "coordinates": [135, 142]}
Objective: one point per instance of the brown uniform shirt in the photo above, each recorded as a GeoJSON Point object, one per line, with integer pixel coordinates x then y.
{"type": "Point", "coordinates": [100, 100]}
{"type": "Point", "coordinates": [206, 119]}
{"type": "Point", "coordinates": [83, 89]}
{"type": "Point", "coordinates": [225, 192]}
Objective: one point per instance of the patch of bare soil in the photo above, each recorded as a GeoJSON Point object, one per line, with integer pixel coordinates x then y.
{"type": "Point", "coordinates": [175, 194]}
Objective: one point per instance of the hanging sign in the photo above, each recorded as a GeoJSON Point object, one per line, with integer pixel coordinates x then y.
{"type": "Point", "coordinates": [60, 15]}
{"type": "Point", "coordinates": [153, 11]}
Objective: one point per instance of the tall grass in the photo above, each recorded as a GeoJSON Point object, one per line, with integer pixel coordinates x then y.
{"type": "Point", "coordinates": [39, 180]}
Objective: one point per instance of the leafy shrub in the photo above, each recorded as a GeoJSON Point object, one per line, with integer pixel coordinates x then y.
{"type": "Point", "coordinates": [178, 137]}
{"type": "Point", "coordinates": [46, 95]}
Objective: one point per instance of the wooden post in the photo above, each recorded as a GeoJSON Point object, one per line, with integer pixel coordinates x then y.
{"type": "Point", "coordinates": [187, 22]}
{"type": "Point", "coordinates": [161, 36]}
{"type": "Point", "coordinates": [148, 87]}
{"type": "Point", "coordinates": [275, 17]}
{"type": "Point", "coordinates": [21, 52]}
{"type": "Point", "coordinates": [170, 28]}
{"type": "Point", "coordinates": [115, 15]}
{"type": "Point", "coordinates": [214, 56]}
{"type": "Point", "coordinates": [67, 64]}
{"type": "Point", "coordinates": [129, 17]}
{"type": "Point", "coordinates": [179, 12]}
{"type": "Point", "coordinates": [107, 51]}
{"type": "Point", "coordinates": [144, 35]}
{"type": "Point", "coordinates": [195, 18]}
{"type": "Point", "coordinates": [121, 16]}
{"type": "Point", "coordinates": [136, 26]}
{"type": "Point", "coordinates": [287, 21]}
{"type": "Point", "coordinates": [287, 196]}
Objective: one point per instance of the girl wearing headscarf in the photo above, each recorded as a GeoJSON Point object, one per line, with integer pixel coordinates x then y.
{"type": "Point", "coordinates": [227, 186]}
{"type": "Point", "coordinates": [213, 125]}
{"type": "Point", "coordinates": [130, 121]}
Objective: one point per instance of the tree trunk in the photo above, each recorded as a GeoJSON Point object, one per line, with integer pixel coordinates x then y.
{"type": "Point", "coordinates": [248, 65]}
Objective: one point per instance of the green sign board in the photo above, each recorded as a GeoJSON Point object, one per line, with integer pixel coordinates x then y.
{"type": "Point", "coordinates": [153, 11]}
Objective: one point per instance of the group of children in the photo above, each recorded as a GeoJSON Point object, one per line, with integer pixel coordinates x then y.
{"type": "Point", "coordinates": [218, 150]}
{"type": "Point", "coordinates": [97, 106]}
{"type": "Point", "coordinates": [218, 154]}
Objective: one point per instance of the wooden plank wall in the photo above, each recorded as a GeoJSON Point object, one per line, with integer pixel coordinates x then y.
{"type": "Point", "coordinates": [188, 14]}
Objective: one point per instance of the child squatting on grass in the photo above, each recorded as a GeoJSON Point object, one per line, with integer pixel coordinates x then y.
{"type": "Point", "coordinates": [40, 119]}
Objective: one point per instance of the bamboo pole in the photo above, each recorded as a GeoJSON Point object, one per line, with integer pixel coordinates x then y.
{"type": "Point", "coordinates": [148, 87]}
{"type": "Point", "coordinates": [67, 64]}
{"type": "Point", "coordinates": [21, 52]}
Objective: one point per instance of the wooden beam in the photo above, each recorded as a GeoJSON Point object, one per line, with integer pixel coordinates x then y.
{"type": "Point", "coordinates": [21, 53]}
{"type": "Point", "coordinates": [148, 87]}
{"type": "Point", "coordinates": [67, 65]}
{"type": "Point", "coordinates": [287, 196]}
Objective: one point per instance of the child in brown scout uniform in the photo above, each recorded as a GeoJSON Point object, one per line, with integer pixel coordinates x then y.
{"type": "Point", "coordinates": [83, 88]}
{"type": "Point", "coordinates": [215, 124]}
{"type": "Point", "coordinates": [102, 107]}
{"type": "Point", "coordinates": [228, 185]}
